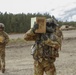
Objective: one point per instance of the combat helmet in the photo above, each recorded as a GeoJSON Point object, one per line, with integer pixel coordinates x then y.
{"type": "Point", "coordinates": [2, 26]}
{"type": "Point", "coordinates": [51, 20]}
{"type": "Point", "coordinates": [50, 25]}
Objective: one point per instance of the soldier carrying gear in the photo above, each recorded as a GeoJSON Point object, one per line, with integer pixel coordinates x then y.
{"type": "Point", "coordinates": [45, 50]}
{"type": "Point", "coordinates": [3, 41]}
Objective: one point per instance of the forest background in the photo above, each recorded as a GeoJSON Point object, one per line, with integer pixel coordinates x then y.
{"type": "Point", "coordinates": [21, 23]}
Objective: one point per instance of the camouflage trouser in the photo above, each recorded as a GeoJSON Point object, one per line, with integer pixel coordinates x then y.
{"type": "Point", "coordinates": [2, 58]}
{"type": "Point", "coordinates": [44, 66]}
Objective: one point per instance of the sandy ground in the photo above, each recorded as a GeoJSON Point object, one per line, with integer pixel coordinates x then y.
{"type": "Point", "coordinates": [20, 62]}
{"type": "Point", "coordinates": [67, 34]}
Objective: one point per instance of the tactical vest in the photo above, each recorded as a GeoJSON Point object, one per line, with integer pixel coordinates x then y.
{"type": "Point", "coordinates": [43, 51]}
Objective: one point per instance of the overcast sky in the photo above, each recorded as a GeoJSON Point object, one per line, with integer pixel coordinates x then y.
{"type": "Point", "coordinates": [58, 8]}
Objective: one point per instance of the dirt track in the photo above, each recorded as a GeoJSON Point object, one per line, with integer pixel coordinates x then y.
{"type": "Point", "coordinates": [19, 60]}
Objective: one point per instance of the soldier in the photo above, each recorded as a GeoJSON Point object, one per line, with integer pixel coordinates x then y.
{"type": "Point", "coordinates": [3, 41]}
{"type": "Point", "coordinates": [45, 49]}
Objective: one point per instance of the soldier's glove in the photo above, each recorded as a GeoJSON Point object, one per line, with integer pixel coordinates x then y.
{"type": "Point", "coordinates": [35, 27]}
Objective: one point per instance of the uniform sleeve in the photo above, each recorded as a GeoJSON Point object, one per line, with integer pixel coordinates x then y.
{"type": "Point", "coordinates": [51, 43]}
{"type": "Point", "coordinates": [30, 35]}
{"type": "Point", "coordinates": [6, 38]}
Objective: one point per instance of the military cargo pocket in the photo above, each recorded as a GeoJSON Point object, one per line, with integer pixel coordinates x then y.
{"type": "Point", "coordinates": [54, 53]}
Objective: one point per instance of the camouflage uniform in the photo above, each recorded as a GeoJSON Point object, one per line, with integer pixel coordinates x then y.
{"type": "Point", "coordinates": [44, 51]}
{"type": "Point", "coordinates": [3, 41]}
